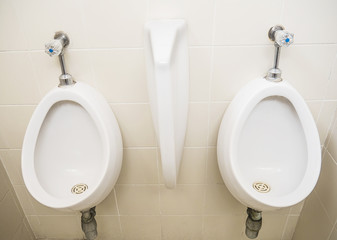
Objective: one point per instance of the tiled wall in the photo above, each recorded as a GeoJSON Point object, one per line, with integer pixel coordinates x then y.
{"type": "Point", "coordinates": [228, 46]}
{"type": "Point", "coordinates": [13, 223]}
{"type": "Point", "coordinates": [319, 216]}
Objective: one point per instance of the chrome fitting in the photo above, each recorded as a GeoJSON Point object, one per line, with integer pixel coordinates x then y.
{"type": "Point", "coordinates": [281, 38]}
{"type": "Point", "coordinates": [56, 47]}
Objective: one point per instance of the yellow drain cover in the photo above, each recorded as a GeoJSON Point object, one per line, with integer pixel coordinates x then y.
{"type": "Point", "coordinates": [261, 187]}
{"type": "Point", "coordinates": [79, 188]}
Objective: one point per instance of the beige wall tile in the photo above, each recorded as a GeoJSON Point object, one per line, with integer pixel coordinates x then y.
{"type": "Point", "coordinates": [233, 16]}
{"type": "Point", "coordinates": [296, 17]}
{"type": "Point", "coordinates": [331, 93]}
{"type": "Point", "coordinates": [141, 227]}
{"type": "Point", "coordinates": [31, 206]}
{"type": "Point", "coordinates": [193, 166]}
{"type": "Point", "coordinates": [228, 76]}
{"type": "Point", "coordinates": [136, 125]}
{"type": "Point", "coordinates": [182, 200]}
{"type": "Point", "coordinates": [108, 206]}
{"type": "Point", "coordinates": [122, 30]}
{"type": "Point", "coordinates": [315, 108]}
{"type": "Point", "coordinates": [197, 125]}
{"type": "Point", "coordinates": [224, 227]}
{"type": "Point", "coordinates": [139, 167]}
{"type": "Point", "coordinates": [8, 13]}
{"type": "Point", "coordinates": [4, 182]}
{"type": "Point", "coordinates": [325, 119]}
{"type": "Point", "coordinates": [34, 224]}
{"type": "Point", "coordinates": [272, 226]}
{"type": "Point", "coordinates": [198, 14]}
{"type": "Point", "coordinates": [326, 187]}
{"type": "Point", "coordinates": [11, 160]}
{"type": "Point", "coordinates": [296, 209]}
{"type": "Point", "coordinates": [13, 123]}
{"type": "Point", "coordinates": [333, 235]}
{"type": "Point", "coordinates": [68, 227]}
{"type": "Point", "coordinates": [78, 64]}
{"type": "Point", "coordinates": [200, 73]}
{"type": "Point", "coordinates": [120, 74]}
{"type": "Point", "coordinates": [331, 142]}
{"type": "Point", "coordinates": [137, 200]}
{"type": "Point", "coordinates": [23, 233]}
{"type": "Point", "coordinates": [109, 228]}
{"type": "Point", "coordinates": [181, 227]}
{"type": "Point", "coordinates": [290, 227]}
{"type": "Point", "coordinates": [313, 222]}
{"type": "Point", "coordinates": [19, 83]}
{"type": "Point", "coordinates": [220, 201]}
{"type": "Point", "coordinates": [25, 199]}
{"type": "Point", "coordinates": [12, 219]}
{"type": "Point", "coordinates": [303, 65]}
{"type": "Point", "coordinates": [280, 211]}
{"type": "Point", "coordinates": [40, 24]}
{"type": "Point", "coordinates": [217, 112]}
{"type": "Point", "coordinates": [213, 172]}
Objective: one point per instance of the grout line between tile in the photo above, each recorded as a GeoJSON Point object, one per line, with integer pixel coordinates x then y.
{"type": "Point", "coordinates": [285, 227]}
{"type": "Point", "coordinates": [119, 215]}
{"type": "Point", "coordinates": [322, 205]}
{"type": "Point", "coordinates": [208, 117]}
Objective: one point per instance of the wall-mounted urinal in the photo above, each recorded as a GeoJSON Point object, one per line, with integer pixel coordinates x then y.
{"type": "Point", "coordinates": [268, 147]}
{"type": "Point", "coordinates": [166, 51]}
{"type": "Point", "coordinates": [72, 149]}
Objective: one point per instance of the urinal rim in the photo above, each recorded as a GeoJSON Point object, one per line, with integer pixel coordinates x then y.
{"type": "Point", "coordinates": [232, 123]}
{"type": "Point", "coordinates": [107, 126]}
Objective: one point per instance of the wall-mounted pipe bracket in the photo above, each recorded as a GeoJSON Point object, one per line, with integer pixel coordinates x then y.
{"type": "Point", "coordinates": [166, 51]}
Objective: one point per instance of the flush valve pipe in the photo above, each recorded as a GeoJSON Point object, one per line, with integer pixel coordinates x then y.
{"type": "Point", "coordinates": [56, 47]}
{"type": "Point", "coordinates": [89, 224]}
{"type": "Point", "coordinates": [281, 38]}
{"type": "Point", "coordinates": [253, 223]}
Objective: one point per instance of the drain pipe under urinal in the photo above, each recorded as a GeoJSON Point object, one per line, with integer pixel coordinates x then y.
{"type": "Point", "coordinates": [89, 224]}
{"type": "Point", "coordinates": [253, 223]}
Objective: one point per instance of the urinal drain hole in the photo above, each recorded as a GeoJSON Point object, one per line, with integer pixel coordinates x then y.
{"type": "Point", "coordinates": [261, 187]}
{"type": "Point", "coordinates": [79, 188]}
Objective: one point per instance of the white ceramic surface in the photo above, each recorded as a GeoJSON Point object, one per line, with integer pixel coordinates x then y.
{"type": "Point", "coordinates": [268, 135]}
{"type": "Point", "coordinates": [168, 86]}
{"type": "Point", "coordinates": [72, 138]}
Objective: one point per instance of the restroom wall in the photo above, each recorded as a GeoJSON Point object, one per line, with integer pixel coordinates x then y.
{"type": "Point", "coordinates": [228, 46]}
{"type": "Point", "coordinates": [319, 216]}
{"type": "Point", "coordinates": [13, 223]}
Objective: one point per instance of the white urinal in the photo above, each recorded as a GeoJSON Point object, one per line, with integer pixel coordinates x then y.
{"type": "Point", "coordinates": [72, 150]}
{"type": "Point", "coordinates": [268, 146]}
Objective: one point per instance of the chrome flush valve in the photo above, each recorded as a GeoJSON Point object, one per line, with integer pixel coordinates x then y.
{"type": "Point", "coordinates": [57, 47]}
{"type": "Point", "coordinates": [281, 38]}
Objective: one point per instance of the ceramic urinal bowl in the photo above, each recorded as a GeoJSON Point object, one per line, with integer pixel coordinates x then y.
{"type": "Point", "coordinates": [268, 146]}
{"type": "Point", "coordinates": [72, 150]}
